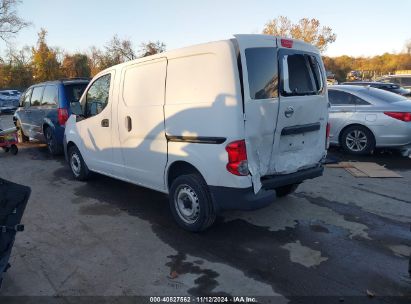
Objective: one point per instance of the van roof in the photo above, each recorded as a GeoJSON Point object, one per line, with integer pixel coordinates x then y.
{"type": "Point", "coordinates": [298, 44]}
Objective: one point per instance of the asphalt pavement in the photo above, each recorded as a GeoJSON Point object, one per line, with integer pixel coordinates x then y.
{"type": "Point", "coordinates": [338, 236]}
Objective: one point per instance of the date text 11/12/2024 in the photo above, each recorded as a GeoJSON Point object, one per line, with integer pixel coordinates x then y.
{"type": "Point", "coordinates": [203, 299]}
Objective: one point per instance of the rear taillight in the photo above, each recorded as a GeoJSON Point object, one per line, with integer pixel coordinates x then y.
{"type": "Point", "coordinates": [237, 158]}
{"type": "Point", "coordinates": [404, 116]}
{"type": "Point", "coordinates": [327, 135]}
{"type": "Point", "coordinates": [62, 116]}
{"type": "Point", "coordinates": [287, 43]}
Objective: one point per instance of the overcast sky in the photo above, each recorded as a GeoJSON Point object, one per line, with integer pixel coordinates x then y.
{"type": "Point", "coordinates": [362, 27]}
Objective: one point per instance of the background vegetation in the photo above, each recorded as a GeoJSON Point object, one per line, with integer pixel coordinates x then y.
{"type": "Point", "coordinates": [19, 68]}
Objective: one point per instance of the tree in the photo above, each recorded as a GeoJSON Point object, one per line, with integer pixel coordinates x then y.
{"type": "Point", "coordinates": [308, 30]}
{"type": "Point", "coordinates": [76, 65]}
{"type": "Point", "coordinates": [10, 22]}
{"type": "Point", "coordinates": [151, 48]}
{"type": "Point", "coordinates": [44, 60]}
{"type": "Point", "coordinates": [120, 50]}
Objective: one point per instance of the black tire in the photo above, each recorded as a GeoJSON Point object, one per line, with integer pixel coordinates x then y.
{"type": "Point", "coordinates": [193, 190]}
{"type": "Point", "coordinates": [52, 145]}
{"type": "Point", "coordinates": [77, 165]}
{"type": "Point", "coordinates": [286, 190]}
{"type": "Point", "coordinates": [357, 140]}
{"type": "Point", "coordinates": [20, 134]}
{"type": "Point", "coordinates": [6, 149]}
{"type": "Point", "coordinates": [14, 150]}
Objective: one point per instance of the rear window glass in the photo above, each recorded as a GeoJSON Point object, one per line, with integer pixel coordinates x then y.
{"type": "Point", "coordinates": [384, 95]}
{"type": "Point", "coordinates": [74, 91]}
{"type": "Point", "coordinates": [262, 72]}
{"type": "Point", "coordinates": [302, 75]}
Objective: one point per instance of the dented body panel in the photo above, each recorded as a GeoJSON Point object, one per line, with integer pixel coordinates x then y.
{"type": "Point", "coordinates": [284, 133]}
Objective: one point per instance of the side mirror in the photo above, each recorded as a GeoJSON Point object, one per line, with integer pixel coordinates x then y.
{"type": "Point", "coordinates": [76, 108]}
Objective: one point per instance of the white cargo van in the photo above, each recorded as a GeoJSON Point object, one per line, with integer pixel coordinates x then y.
{"type": "Point", "coordinates": [223, 125]}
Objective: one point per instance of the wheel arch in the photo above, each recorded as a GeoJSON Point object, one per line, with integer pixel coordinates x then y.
{"type": "Point", "coordinates": [353, 125]}
{"type": "Point", "coordinates": [47, 124]}
{"type": "Point", "coordinates": [178, 168]}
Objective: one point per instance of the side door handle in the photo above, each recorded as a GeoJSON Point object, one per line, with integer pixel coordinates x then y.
{"type": "Point", "coordinates": [129, 123]}
{"type": "Point", "coordinates": [289, 112]}
{"type": "Point", "coordinates": [105, 123]}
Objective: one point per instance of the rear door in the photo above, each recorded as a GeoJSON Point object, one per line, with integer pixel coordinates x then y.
{"type": "Point", "coordinates": [342, 109]}
{"type": "Point", "coordinates": [303, 113]}
{"type": "Point", "coordinates": [49, 103]}
{"type": "Point", "coordinates": [261, 101]}
{"type": "Point", "coordinates": [35, 113]}
{"type": "Point", "coordinates": [285, 105]}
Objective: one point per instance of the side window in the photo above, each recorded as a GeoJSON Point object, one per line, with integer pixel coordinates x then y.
{"type": "Point", "coordinates": [341, 98]}
{"type": "Point", "coordinates": [262, 70]}
{"type": "Point", "coordinates": [359, 101]}
{"type": "Point", "coordinates": [36, 96]}
{"type": "Point", "coordinates": [25, 101]}
{"type": "Point", "coordinates": [50, 96]}
{"type": "Point", "coordinates": [302, 75]}
{"type": "Point", "coordinates": [97, 96]}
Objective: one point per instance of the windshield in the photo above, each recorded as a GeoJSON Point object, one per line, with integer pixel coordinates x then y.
{"type": "Point", "coordinates": [383, 95]}
{"type": "Point", "coordinates": [74, 91]}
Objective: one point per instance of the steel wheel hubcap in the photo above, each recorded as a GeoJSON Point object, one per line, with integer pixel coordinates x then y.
{"type": "Point", "coordinates": [75, 164]}
{"type": "Point", "coordinates": [356, 141]}
{"type": "Point", "coordinates": [187, 204]}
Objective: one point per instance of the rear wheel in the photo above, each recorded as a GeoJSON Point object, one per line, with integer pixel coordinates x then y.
{"type": "Point", "coordinates": [357, 140]}
{"type": "Point", "coordinates": [52, 145]}
{"type": "Point", "coordinates": [20, 134]}
{"type": "Point", "coordinates": [191, 203]}
{"type": "Point", "coordinates": [286, 190]}
{"type": "Point", "coordinates": [77, 164]}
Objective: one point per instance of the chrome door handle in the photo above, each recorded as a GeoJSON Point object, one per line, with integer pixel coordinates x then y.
{"type": "Point", "coordinates": [289, 112]}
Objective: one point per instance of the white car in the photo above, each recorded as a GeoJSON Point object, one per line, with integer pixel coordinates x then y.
{"type": "Point", "coordinates": [222, 125]}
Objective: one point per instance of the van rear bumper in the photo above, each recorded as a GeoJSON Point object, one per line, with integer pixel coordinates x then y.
{"type": "Point", "coordinates": [226, 198]}
{"type": "Point", "coordinates": [275, 181]}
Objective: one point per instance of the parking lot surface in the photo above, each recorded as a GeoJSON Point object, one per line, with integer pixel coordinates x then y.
{"type": "Point", "coordinates": [336, 236]}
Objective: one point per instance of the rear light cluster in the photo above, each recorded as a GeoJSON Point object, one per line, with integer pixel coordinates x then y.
{"type": "Point", "coordinates": [62, 116]}
{"type": "Point", "coordinates": [237, 158]}
{"type": "Point", "coordinates": [404, 116]}
{"type": "Point", "coordinates": [327, 135]}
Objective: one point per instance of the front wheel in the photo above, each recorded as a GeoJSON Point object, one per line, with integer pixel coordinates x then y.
{"type": "Point", "coordinates": [77, 164]}
{"type": "Point", "coordinates": [191, 203]}
{"type": "Point", "coordinates": [20, 134]}
{"type": "Point", "coordinates": [357, 140]}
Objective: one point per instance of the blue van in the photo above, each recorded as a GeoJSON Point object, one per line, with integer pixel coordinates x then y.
{"type": "Point", "coordinates": [44, 110]}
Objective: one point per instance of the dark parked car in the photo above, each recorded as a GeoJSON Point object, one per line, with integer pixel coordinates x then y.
{"type": "Point", "coordinates": [9, 100]}
{"type": "Point", "coordinates": [44, 110]}
{"type": "Point", "coordinates": [391, 87]}
{"type": "Point", "coordinates": [401, 80]}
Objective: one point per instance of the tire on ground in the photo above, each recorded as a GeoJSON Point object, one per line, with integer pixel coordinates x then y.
{"type": "Point", "coordinates": [191, 187]}
{"type": "Point", "coordinates": [286, 190]}
{"type": "Point", "coordinates": [364, 133]}
{"type": "Point", "coordinates": [77, 165]}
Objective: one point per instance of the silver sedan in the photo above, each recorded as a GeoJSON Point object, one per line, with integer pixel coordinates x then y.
{"type": "Point", "coordinates": [363, 118]}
